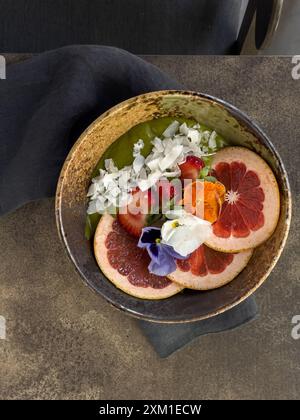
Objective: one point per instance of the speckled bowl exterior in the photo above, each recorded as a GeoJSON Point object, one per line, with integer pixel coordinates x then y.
{"type": "Point", "coordinates": [71, 202]}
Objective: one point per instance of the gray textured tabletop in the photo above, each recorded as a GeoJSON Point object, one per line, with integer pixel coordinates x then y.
{"type": "Point", "coordinates": [63, 341]}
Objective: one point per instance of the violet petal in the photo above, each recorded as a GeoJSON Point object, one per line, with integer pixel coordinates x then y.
{"type": "Point", "coordinates": [154, 252]}
{"type": "Point", "coordinates": [148, 236]}
{"type": "Point", "coordinates": [163, 268]}
{"type": "Point", "coordinates": [170, 250]}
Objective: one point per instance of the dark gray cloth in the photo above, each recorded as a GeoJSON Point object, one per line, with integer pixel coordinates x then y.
{"type": "Point", "coordinates": [168, 338]}
{"type": "Point", "coordinates": [46, 103]}
{"type": "Point", "coordinates": [139, 26]}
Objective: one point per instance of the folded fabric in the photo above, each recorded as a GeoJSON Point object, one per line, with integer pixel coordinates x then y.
{"type": "Point", "coordinates": [168, 338]}
{"type": "Point", "coordinates": [46, 103]}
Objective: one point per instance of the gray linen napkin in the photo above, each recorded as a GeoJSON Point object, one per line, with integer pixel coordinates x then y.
{"type": "Point", "coordinates": [168, 338]}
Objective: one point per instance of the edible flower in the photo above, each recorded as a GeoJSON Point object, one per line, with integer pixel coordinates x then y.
{"type": "Point", "coordinates": [204, 199]}
{"type": "Point", "coordinates": [185, 233]}
{"type": "Point", "coordinates": [163, 257]}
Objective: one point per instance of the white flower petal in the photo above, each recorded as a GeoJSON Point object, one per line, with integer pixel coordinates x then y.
{"type": "Point", "coordinates": [186, 233]}
{"type": "Point", "coordinates": [176, 213]}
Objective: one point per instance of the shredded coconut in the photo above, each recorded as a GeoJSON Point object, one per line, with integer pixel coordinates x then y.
{"type": "Point", "coordinates": [113, 186]}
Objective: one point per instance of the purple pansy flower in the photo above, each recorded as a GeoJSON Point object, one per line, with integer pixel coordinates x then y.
{"type": "Point", "coordinates": [162, 256]}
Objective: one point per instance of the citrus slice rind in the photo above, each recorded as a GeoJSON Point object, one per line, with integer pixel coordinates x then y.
{"type": "Point", "coordinates": [126, 265]}
{"type": "Point", "coordinates": [251, 209]}
{"type": "Point", "coordinates": [214, 269]}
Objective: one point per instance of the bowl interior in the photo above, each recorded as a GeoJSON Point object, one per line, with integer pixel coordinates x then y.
{"type": "Point", "coordinates": [71, 201]}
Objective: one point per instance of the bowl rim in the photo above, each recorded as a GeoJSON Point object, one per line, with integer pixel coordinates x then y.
{"type": "Point", "coordinates": [244, 120]}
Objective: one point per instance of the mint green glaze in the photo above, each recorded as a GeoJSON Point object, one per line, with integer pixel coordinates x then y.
{"type": "Point", "coordinates": [121, 152]}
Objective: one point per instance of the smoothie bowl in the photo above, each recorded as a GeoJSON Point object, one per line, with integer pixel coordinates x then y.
{"type": "Point", "coordinates": [130, 216]}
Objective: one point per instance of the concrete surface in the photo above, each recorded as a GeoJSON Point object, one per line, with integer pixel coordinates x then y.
{"type": "Point", "coordinates": [63, 341]}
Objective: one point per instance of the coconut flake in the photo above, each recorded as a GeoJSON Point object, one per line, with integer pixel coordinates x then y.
{"type": "Point", "coordinates": [158, 146]}
{"type": "Point", "coordinates": [153, 178]}
{"type": "Point", "coordinates": [153, 164]}
{"type": "Point", "coordinates": [92, 207]}
{"type": "Point", "coordinates": [183, 129]}
{"type": "Point", "coordinates": [194, 136]}
{"type": "Point", "coordinates": [170, 158]}
{"type": "Point", "coordinates": [138, 163]}
{"type": "Point", "coordinates": [110, 166]}
{"type": "Point", "coordinates": [212, 143]}
{"type": "Point", "coordinates": [172, 174]}
{"type": "Point", "coordinates": [113, 188]}
{"type": "Point", "coordinates": [171, 130]}
{"type": "Point", "coordinates": [92, 190]}
{"type": "Point", "coordinates": [137, 147]}
{"type": "Point", "coordinates": [143, 174]}
{"type": "Point", "coordinates": [101, 204]}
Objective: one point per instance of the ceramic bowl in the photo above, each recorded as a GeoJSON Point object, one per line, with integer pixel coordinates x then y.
{"type": "Point", "coordinates": [75, 177]}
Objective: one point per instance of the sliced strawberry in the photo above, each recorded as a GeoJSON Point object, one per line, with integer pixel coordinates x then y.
{"type": "Point", "coordinates": [134, 216]}
{"type": "Point", "coordinates": [191, 167]}
{"type": "Point", "coordinates": [133, 223]}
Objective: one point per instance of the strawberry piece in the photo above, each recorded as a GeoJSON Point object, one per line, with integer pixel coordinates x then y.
{"type": "Point", "coordinates": [133, 217]}
{"type": "Point", "coordinates": [191, 167]}
{"type": "Point", "coordinates": [133, 223]}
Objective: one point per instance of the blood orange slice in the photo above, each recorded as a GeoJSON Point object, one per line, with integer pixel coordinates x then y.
{"type": "Point", "coordinates": [250, 212]}
{"type": "Point", "coordinates": [126, 265]}
{"type": "Point", "coordinates": [208, 269]}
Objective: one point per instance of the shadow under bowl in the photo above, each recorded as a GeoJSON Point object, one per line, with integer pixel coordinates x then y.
{"type": "Point", "coordinates": [75, 177]}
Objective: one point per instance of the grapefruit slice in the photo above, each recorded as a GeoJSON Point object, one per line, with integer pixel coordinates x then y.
{"type": "Point", "coordinates": [126, 265]}
{"type": "Point", "coordinates": [208, 269]}
{"type": "Point", "coordinates": [250, 212]}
